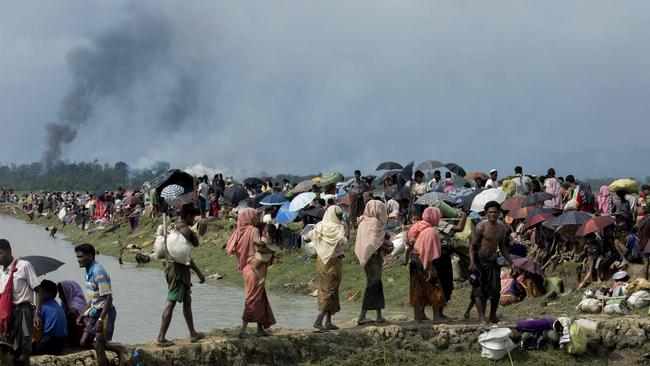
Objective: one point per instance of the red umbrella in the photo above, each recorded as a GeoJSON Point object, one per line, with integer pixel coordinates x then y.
{"type": "Point", "coordinates": [512, 203]}
{"type": "Point", "coordinates": [594, 224]}
{"type": "Point", "coordinates": [536, 219]}
{"type": "Point", "coordinates": [474, 175]}
{"type": "Point", "coordinates": [520, 213]}
{"type": "Point", "coordinates": [528, 266]}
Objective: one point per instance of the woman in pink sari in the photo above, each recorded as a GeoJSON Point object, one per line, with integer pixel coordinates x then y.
{"type": "Point", "coordinates": [603, 202]}
{"type": "Point", "coordinates": [257, 308]}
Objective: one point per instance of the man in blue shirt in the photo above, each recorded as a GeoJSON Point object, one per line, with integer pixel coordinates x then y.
{"type": "Point", "coordinates": [55, 325]}
{"type": "Point", "coordinates": [99, 317]}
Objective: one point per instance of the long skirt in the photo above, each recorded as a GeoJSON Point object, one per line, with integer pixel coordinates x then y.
{"type": "Point", "coordinates": [490, 277]}
{"type": "Point", "coordinates": [257, 308]}
{"type": "Point", "coordinates": [373, 298]}
{"type": "Point", "coordinates": [445, 275]}
{"type": "Point", "coordinates": [357, 205]}
{"type": "Point", "coordinates": [422, 292]}
{"type": "Point", "coordinates": [329, 279]}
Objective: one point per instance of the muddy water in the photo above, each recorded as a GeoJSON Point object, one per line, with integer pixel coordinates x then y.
{"type": "Point", "coordinates": [139, 293]}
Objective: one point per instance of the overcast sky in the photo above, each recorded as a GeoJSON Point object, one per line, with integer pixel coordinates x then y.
{"type": "Point", "coordinates": [307, 86]}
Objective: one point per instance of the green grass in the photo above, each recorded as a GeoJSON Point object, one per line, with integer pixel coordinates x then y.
{"type": "Point", "coordinates": [293, 273]}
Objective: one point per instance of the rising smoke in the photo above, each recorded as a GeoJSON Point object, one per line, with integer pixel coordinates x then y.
{"type": "Point", "coordinates": [134, 53]}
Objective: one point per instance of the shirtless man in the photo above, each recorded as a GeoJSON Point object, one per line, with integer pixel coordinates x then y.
{"type": "Point", "coordinates": [488, 236]}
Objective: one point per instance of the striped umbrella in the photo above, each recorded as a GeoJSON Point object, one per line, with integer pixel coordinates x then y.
{"type": "Point", "coordinates": [457, 195]}
{"type": "Point", "coordinates": [431, 198]}
{"type": "Point", "coordinates": [172, 191]}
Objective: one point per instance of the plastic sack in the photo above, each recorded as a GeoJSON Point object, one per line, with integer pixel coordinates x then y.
{"type": "Point", "coordinates": [554, 284]}
{"type": "Point", "coordinates": [578, 343]}
{"type": "Point", "coordinates": [178, 248]}
{"type": "Point", "coordinates": [398, 244]}
{"type": "Point", "coordinates": [616, 309]}
{"type": "Point", "coordinates": [509, 186]}
{"type": "Point", "coordinates": [639, 299]}
{"type": "Point", "coordinates": [468, 229]}
{"type": "Point", "coordinates": [636, 285]}
{"type": "Point", "coordinates": [446, 210]}
{"type": "Point", "coordinates": [590, 306]}
{"type": "Point", "coordinates": [627, 185]}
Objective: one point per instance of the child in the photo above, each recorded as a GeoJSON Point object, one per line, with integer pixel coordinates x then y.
{"type": "Point", "coordinates": [265, 250]}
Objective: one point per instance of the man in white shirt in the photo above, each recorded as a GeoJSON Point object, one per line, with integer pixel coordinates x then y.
{"type": "Point", "coordinates": [522, 182]}
{"type": "Point", "coordinates": [19, 335]}
{"type": "Point", "coordinates": [492, 182]}
{"type": "Point", "coordinates": [203, 189]}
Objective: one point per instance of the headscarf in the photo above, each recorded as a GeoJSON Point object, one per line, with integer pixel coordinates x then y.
{"type": "Point", "coordinates": [370, 235]}
{"type": "Point", "coordinates": [419, 226]}
{"type": "Point", "coordinates": [555, 189]}
{"type": "Point", "coordinates": [240, 240]}
{"type": "Point", "coordinates": [603, 201]}
{"type": "Point", "coordinates": [74, 297]}
{"type": "Point", "coordinates": [328, 233]}
{"type": "Point", "coordinates": [427, 244]}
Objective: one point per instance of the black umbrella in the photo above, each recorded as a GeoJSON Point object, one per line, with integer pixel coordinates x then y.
{"type": "Point", "coordinates": [276, 199]}
{"type": "Point", "coordinates": [456, 169]}
{"type": "Point", "coordinates": [570, 218]}
{"type": "Point", "coordinates": [552, 211]}
{"type": "Point", "coordinates": [253, 181]}
{"type": "Point", "coordinates": [182, 200]}
{"type": "Point", "coordinates": [369, 179]}
{"type": "Point", "coordinates": [316, 212]}
{"type": "Point", "coordinates": [259, 197]}
{"type": "Point", "coordinates": [388, 174]}
{"type": "Point", "coordinates": [397, 193]}
{"type": "Point", "coordinates": [43, 265]}
{"type": "Point", "coordinates": [387, 165]}
{"type": "Point", "coordinates": [537, 197]}
{"type": "Point", "coordinates": [234, 194]}
{"type": "Point", "coordinates": [427, 165]}
{"type": "Point", "coordinates": [467, 201]}
{"type": "Point", "coordinates": [405, 174]}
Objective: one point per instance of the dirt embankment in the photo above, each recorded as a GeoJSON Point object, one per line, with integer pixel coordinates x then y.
{"type": "Point", "coordinates": [619, 341]}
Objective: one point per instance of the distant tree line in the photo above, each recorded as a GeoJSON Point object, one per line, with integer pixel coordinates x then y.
{"type": "Point", "coordinates": [76, 176]}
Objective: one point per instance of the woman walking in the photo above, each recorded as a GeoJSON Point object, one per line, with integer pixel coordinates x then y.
{"type": "Point", "coordinates": [371, 245]}
{"type": "Point", "coordinates": [425, 281]}
{"type": "Point", "coordinates": [330, 243]}
{"type": "Point", "coordinates": [242, 242]}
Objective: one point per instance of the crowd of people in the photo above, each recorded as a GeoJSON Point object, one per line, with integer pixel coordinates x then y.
{"type": "Point", "coordinates": [498, 236]}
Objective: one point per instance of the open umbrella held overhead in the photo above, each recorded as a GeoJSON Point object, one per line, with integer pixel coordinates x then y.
{"type": "Point", "coordinates": [428, 165]}
{"type": "Point", "coordinates": [456, 169]}
{"type": "Point", "coordinates": [43, 265]}
{"type": "Point", "coordinates": [388, 165]}
{"type": "Point", "coordinates": [594, 224]}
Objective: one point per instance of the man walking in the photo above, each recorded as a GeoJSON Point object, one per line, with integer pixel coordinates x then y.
{"type": "Point", "coordinates": [178, 276]}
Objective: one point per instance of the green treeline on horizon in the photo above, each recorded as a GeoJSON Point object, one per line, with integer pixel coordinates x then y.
{"type": "Point", "coordinates": [94, 176]}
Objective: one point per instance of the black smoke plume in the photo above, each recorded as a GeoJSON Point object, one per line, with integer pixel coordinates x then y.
{"type": "Point", "coordinates": [119, 58]}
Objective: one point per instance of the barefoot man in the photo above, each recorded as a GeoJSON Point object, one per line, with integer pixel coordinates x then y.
{"type": "Point", "coordinates": [178, 276]}
{"type": "Point", "coordinates": [487, 237]}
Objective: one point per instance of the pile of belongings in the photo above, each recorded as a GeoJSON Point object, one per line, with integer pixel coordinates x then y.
{"type": "Point", "coordinates": [563, 332]}
{"type": "Point", "coordinates": [622, 297]}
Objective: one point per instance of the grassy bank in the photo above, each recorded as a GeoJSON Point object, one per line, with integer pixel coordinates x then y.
{"type": "Point", "coordinates": [294, 273]}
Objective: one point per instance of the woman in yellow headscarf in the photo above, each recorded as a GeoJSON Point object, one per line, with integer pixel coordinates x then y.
{"type": "Point", "coordinates": [330, 243]}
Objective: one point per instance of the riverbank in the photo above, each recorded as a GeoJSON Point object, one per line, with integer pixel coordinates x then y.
{"type": "Point", "coordinates": [294, 273]}
{"type": "Point", "coordinates": [620, 341]}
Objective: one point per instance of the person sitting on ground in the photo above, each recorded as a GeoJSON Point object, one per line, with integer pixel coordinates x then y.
{"type": "Point", "coordinates": [626, 243]}
{"type": "Point", "coordinates": [511, 290]}
{"type": "Point", "coordinates": [265, 249]}
{"type": "Point", "coordinates": [55, 324]}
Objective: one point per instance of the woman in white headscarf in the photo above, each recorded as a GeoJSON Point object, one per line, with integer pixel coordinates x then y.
{"type": "Point", "coordinates": [330, 243]}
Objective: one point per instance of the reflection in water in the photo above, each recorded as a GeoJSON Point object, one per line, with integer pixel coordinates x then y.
{"type": "Point", "coordinates": [140, 293]}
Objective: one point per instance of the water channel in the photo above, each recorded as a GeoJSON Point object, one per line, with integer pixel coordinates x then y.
{"type": "Point", "coordinates": [139, 293]}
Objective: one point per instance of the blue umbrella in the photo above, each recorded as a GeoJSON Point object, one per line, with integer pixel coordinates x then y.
{"type": "Point", "coordinates": [458, 195]}
{"type": "Point", "coordinates": [275, 199]}
{"type": "Point", "coordinates": [285, 216]}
